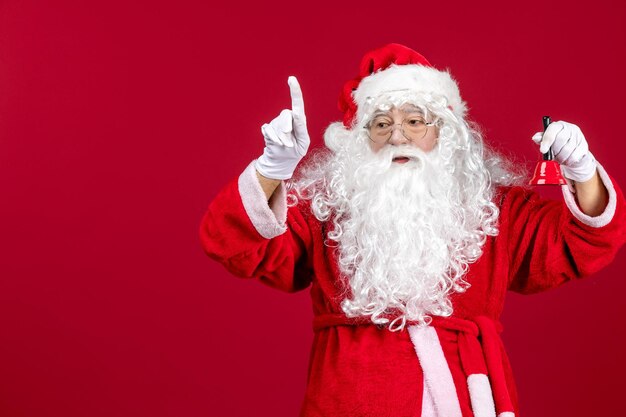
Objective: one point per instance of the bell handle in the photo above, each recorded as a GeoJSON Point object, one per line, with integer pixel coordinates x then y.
{"type": "Point", "coordinates": [548, 156]}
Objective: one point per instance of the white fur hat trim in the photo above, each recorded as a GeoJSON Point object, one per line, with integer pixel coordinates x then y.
{"type": "Point", "coordinates": [412, 78]}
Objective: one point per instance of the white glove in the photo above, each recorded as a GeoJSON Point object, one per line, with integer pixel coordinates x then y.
{"type": "Point", "coordinates": [286, 138]}
{"type": "Point", "coordinates": [570, 149]}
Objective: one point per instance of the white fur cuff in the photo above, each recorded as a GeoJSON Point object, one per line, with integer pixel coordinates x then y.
{"type": "Point", "coordinates": [597, 221]}
{"type": "Point", "coordinates": [268, 218]}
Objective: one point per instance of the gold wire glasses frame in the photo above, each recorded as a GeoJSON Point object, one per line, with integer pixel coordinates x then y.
{"type": "Point", "coordinates": [412, 128]}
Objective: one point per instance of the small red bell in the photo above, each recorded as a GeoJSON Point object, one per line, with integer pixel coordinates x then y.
{"type": "Point", "coordinates": [547, 172]}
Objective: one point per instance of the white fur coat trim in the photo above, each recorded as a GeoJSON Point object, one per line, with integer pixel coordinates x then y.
{"type": "Point", "coordinates": [437, 375]}
{"type": "Point", "coordinates": [597, 221]}
{"type": "Point", "coordinates": [268, 218]}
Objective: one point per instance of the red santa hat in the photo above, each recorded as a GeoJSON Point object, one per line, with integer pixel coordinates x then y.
{"type": "Point", "coordinates": [396, 68]}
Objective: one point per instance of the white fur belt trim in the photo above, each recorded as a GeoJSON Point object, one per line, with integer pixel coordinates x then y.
{"type": "Point", "coordinates": [481, 395]}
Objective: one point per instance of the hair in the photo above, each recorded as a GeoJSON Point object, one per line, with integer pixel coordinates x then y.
{"type": "Point", "coordinates": [404, 268]}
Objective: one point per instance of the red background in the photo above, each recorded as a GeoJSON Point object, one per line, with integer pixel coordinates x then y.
{"type": "Point", "coordinates": [119, 121]}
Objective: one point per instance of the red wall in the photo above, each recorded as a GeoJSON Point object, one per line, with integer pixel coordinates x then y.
{"type": "Point", "coordinates": [120, 120]}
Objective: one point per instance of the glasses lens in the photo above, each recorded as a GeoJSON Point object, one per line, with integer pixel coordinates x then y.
{"type": "Point", "coordinates": [414, 127]}
{"type": "Point", "coordinates": [380, 129]}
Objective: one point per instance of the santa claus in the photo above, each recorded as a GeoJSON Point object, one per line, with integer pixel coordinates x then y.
{"type": "Point", "coordinates": [409, 230]}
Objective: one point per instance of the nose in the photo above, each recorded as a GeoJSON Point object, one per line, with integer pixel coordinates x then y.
{"type": "Point", "coordinates": [397, 136]}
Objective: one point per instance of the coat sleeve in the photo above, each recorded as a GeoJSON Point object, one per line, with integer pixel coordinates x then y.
{"type": "Point", "coordinates": [552, 242]}
{"type": "Point", "coordinates": [254, 238]}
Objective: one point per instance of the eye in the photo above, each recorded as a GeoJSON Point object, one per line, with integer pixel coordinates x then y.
{"type": "Point", "coordinates": [415, 121]}
{"type": "Point", "coordinates": [381, 123]}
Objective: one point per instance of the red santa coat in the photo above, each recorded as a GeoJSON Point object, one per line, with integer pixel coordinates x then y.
{"type": "Point", "coordinates": [454, 367]}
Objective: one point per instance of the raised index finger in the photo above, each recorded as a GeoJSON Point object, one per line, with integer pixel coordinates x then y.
{"type": "Point", "coordinates": [297, 102]}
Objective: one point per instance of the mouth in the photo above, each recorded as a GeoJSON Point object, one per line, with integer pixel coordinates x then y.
{"type": "Point", "coordinates": [401, 159]}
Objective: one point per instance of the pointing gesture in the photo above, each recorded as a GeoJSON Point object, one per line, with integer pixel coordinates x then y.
{"type": "Point", "coordinates": [286, 138]}
{"type": "Point", "coordinates": [297, 102]}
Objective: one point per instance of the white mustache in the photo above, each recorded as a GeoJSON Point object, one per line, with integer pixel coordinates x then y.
{"type": "Point", "coordinates": [388, 154]}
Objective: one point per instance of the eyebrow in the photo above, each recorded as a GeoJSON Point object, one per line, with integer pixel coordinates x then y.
{"type": "Point", "coordinates": [407, 108]}
{"type": "Point", "coordinates": [380, 113]}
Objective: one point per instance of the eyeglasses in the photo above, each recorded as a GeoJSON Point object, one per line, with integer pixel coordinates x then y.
{"type": "Point", "coordinates": [413, 128]}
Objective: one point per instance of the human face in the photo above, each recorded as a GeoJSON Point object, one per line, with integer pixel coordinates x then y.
{"type": "Point", "coordinates": [396, 116]}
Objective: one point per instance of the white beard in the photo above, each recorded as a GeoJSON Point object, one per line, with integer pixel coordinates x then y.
{"type": "Point", "coordinates": [405, 233]}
